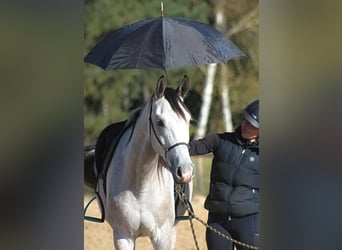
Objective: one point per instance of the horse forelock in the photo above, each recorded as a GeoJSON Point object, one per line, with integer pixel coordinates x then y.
{"type": "Point", "coordinates": [176, 102]}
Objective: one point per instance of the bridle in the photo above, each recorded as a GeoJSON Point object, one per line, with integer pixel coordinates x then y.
{"type": "Point", "coordinates": [166, 150]}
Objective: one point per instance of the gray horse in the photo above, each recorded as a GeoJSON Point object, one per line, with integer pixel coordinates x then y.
{"type": "Point", "coordinates": [151, 156]}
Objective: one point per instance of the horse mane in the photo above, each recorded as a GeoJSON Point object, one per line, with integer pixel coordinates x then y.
{"type": "Point", "coordinates": [176, 102]}
{"type": "Point", "coordinates": [131, 121]}
{"type": "Point", "coordinates": [132, 117]}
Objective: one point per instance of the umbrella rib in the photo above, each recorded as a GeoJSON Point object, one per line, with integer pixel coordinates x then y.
{"type": "Point", "coordinates": [145, 40]}
{"type": "Point", "coordinates": [140, 51]}
{"type": "Point", "coordinates": [189, 45]}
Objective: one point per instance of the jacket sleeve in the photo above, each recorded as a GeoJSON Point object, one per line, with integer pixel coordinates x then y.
{"type": "Point", "coordinates": [204, 146]}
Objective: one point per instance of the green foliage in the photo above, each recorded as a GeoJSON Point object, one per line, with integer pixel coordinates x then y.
{"type": "Point", "coordinates": [109, 96]}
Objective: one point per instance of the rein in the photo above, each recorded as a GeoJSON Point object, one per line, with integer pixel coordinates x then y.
{"type": "Point", "coordinates": [166, 150]}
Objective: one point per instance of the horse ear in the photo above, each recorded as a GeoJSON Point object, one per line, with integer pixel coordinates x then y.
{"type": "Point", "coordinates": [183, 88]}
{"type": "Point", "coordinates": [160, 87]}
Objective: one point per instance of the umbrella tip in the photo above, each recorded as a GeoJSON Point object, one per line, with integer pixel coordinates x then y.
{"type": "Point", "coordinates": [161, 9]}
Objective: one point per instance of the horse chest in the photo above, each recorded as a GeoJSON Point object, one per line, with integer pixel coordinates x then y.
{"type": "Point", "coordinates": [138, 216]}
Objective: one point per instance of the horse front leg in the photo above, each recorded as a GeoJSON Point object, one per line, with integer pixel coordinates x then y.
{"type": "Point", "coordinates": [166, 240]}
{"type": "Point", "coordinates": [123, 242]}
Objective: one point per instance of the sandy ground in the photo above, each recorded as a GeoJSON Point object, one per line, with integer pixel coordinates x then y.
{"type": "Point", "coordinates": [98, 236]}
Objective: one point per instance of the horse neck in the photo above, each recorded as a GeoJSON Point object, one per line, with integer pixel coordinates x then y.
{"type": "Point", "coordinates": [143, 171]}
{"type": "Point", "coordinates": [142, 156]}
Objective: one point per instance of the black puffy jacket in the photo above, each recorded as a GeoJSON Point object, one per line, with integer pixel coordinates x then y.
{"type": "Point", "coordinates": [234, 177]}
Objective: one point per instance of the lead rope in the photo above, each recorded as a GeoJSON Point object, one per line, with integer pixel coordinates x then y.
{"type": "Point", "coordinates": [192, 215]}
{"type": "Point", "coordinates": [188, 207]}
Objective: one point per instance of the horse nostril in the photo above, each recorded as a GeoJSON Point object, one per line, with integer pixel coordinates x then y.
{"type": "Point", "coordinates": [183, 175]}
{"type": "Point", "coordinates": [179, 172]}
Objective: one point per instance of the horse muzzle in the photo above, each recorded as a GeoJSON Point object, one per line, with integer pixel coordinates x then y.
{"type": "Point", "coordinates": [184, 173]}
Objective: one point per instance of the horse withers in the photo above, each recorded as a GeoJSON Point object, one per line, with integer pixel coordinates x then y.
{"type": "Point", "coordinates": [151, 156]}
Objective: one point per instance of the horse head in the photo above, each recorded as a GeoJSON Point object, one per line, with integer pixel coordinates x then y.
{"type": "Point", "coordinates": [169, 128]}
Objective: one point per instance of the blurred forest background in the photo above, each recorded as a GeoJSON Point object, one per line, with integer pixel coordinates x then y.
{"type": "Point", "coordinates": [109, 96]}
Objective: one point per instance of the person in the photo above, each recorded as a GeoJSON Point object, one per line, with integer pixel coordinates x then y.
{"type": "Point", "coordinates": [233, 199]}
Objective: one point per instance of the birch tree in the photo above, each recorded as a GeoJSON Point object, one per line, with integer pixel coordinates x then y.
{"type": "Point", "coordinates": [247, 22]}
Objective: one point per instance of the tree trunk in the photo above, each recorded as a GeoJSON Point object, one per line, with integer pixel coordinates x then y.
{"type": "Point", "coordinates": [206, 102]}
{"type": "Point", "coordinates": [227, 115]}
{"type": "Point", "coordinates": [247, 22]}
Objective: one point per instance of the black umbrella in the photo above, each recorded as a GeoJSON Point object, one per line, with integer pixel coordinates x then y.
{"type": "Point", "coordinates": [162, 43]}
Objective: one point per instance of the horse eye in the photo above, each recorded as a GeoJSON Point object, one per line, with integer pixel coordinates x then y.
{"type": "Point", "coordinates": [160, 123]}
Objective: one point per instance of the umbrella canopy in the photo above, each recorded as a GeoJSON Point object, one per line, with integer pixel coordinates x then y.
{"type": "Point", "coordinates": [162, 43]}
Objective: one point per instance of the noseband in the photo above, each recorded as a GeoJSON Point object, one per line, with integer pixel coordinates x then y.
{"type": "Point", "coordinates": [166, 150]}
